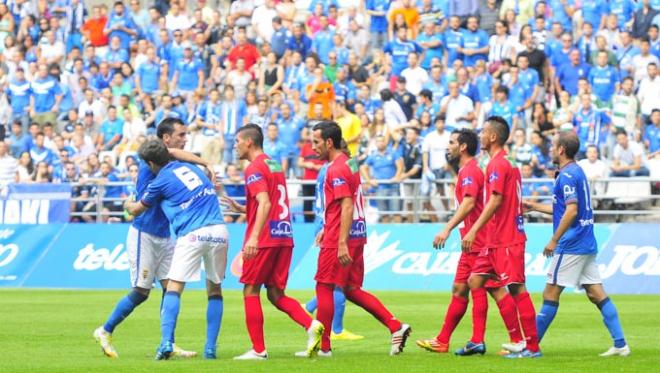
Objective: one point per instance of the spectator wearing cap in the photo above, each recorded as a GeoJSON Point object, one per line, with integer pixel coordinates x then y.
{"type": "Point", "coordinates": [121, 25]}
{"type": "Point", "coordinates": [432, 44]}
{"type": "Point", "coordinates": [299, 41]}
{"type": "Point", "coordinates": [377, 11]}
{"type": "Point", "coordinates": [399, 49]}
{"type": "Point", "coordinates": [628, 157]}
{"type": "Point", "coordinates": [382, 170]}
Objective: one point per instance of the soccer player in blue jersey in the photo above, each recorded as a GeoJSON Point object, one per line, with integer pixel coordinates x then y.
{"type": "Point", "coordinates": [338, 332]}
{"type": "Point", "coordinates": [148, 243]}
{"type": "Point", "coordinates": [573, 246]}
{"type": "Point", "coordinates": [189, 201]}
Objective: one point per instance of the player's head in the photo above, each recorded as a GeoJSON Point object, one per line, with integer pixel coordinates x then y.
{"type": "Point", "coordinates": [155, 154]}
{"type": "Point", "coordinates": [565, 146]}
{"type": "Point", "coordinates": [494, 133]}
{"type": "Point", "coordinates": [248, 138]}
{"type": "Point", "coordinates": [173, 132]}
{"type": "Point", "coordinates": [462, 143]}
{"type": "Point", "coordinates": [326, 137]}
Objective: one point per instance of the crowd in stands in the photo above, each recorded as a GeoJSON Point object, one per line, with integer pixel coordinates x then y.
{"type": "Point", "coordinates": [83, 86]}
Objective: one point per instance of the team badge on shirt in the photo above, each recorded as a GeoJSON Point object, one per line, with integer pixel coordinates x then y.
{"type": "Point", "coordinates": [492, 177]}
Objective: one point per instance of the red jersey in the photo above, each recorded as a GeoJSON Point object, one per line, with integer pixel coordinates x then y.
{"type": "Point", "coordinates": [247, 52]}
{"type": "Point", "coordinates": [506, 227]}
{"type": "Point", "coordinates": [342, 180]}
{"type": "Point", "coordinates": [470, 183]}
{"type": "Point", "coordinates": [266, 175]}
{"type": "Point", "coordinates": [310, 155]}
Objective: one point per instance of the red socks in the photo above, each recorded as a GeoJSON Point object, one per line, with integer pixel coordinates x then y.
{"type": "Point", "coordinates": [455, 312]}
{"type": "Point", "coordinates": [509, 314]}
{"type": "Point", "coordinates": [294, 310]}
{"type": "Point", "coordinates": [254, 319]}
{"type": "Point", "coordinates": [372, 305]}
{"type": "Point", "coordinates": [325, 311]}
{"type": "Point", "coordinates": [479, 314]}
{"type": "Point", "coordinates": [527, 316]}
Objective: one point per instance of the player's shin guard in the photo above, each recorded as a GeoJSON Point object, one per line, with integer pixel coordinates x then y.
{"type": "Point", "coordinates": [169, 314]}
{"type": "Point", "coordinates": [611, 320]}
{"type": "Point", "coordinates": [372, 305]}
{"type": "Point", "coordinates": [479, 314]}
{"type": "Point", "coordinates": [507, 307]}
{"type": "Point", "coordinates": [214, 311]}
{"type": "Point", "coordinates": [325, 312]}
{"type": "Point", "coordinates": [124, 307]}
{"type": "Point", "coordinates": [545, 316]}
{"type": "Point", "coordinates": [455, 312]}
{"type": "Point", "coordinates": [254, 319]}
{"type": "Point", "coordinates": [527, 316]}
{"type": "Point", "coordinates": [292, 308]}
{"type": "Point", "coordinates": [340, 307]}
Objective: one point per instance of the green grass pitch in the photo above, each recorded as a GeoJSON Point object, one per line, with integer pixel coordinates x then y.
{"type": "Point", "coordinates": [52, 330]}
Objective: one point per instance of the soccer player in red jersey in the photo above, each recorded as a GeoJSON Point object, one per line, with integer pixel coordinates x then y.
{"type": "Point", "coordinates": [341, 261]}
{"type": "Point", "coordinates": [463, 146]}
{"type": "Point", "coordinates": [268, 244]}
{"type": "Point", "coordinates": [504, 254]}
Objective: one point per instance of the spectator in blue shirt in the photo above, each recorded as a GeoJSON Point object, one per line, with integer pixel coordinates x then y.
{"type": "Point", "coordinates": [377, 10]}
{"type": "Point", "coordinates": [281, 37]}
{"type": "Point", "coordinates": [289, 131]}
{"type": "Point", "coordinates": [432, 44]}
{"type": "Point", "coordinates": [19, 141]}
{"type": "Point", "coordinates": [274, 148]}
{"type": "Point", "coordinates": [18, 93]}
{"type": "Point", "coordinates": [426, 104]}
{"type": "Point", "coordinates": [569, 74]}
{"type": "Point", "coordinates": [45, 98]}
{"type": "Point", "coordinates": [299, 41]}
{"type": "Point", "coordinates": [591, 125]}
{"type": "Point", "coordinates": [147, 78]}
{"type": "Point", "coordinates": [40, 153]}
{"type": "Point", "coordinates": [502, 107]}
{"type": "Point", "coordinates": [188, 73]}
{"type": "Point", "coordinates": [594, 11]}
{"type": "Point", "coordinates": [382, 170]}
{"type": "Point", "coordinates": [323, 42]}
{"type": "Point", "coordinates": [233, 116]}
{"type": "Point", "coordinates": [110, 132]}
{"type": "Point", "coordinates": [453, 40]}
{"type": "Point", "coordinates": [436, 84]}
{"type": "Point", "coordinates": [652, 134]}
{"type": "Point", "coordinates": [116, 55]}
{"type": "Point", "coordinates": [562, 12]}
{"type": "Point", "coordinates": [121, 25]}
{"type": "Point", "coordinates": [399, 49]}
{"type": "Point", "coordinates": [474, 44]}
{"type": "Point", "coordinates": [623, 9]}
{"type": "Point", "coordinates": [234, 189]}
{"type": "Point", "coordinates": [604, 79]}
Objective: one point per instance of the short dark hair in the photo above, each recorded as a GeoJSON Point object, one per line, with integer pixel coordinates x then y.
{"type": "Point", "coordinates": [501, 128]}
{"type": "Point", "coordinates": [570, 142]}
{"type": "Point", "coordinates": [386, 95]}
{"type": "Point", "coordinates": [469, 138]}
{"type": "Point", "coordinates": [330, 130]}
{"type": "Point", "coordinates": [502, 89]}
{"type": "Point", "coordinates": [166, 126]}
{"type": "Point", "coordinates": [253, 132]}
{"type": "Point", "coordinates": [154, 151]}
{"type": "Point", "coordinates": [426, 93]}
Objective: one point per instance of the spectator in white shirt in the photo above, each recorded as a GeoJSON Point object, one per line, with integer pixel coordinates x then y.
{"type": "Point", "coordinates": [629, 159]}
{"type": "Point", "coordinates": [649, 93]}
{"type": "Point", "coordinates": [52, 50]}
{"type": "Point", "coordinates": [458, 109]}
{"type": "Point", "coordinates": [176, 19]}
{"type": "Point", "coordinates": [415, 76]}
{"type": "Point", "coordinates": [642, 60]}
{"type": "Point", "coordinates": [262, 20]}
{"type": "Point", "coordinates": [394, 116]}
{"type": "Point", "coordinates": [594, 168]}
{"type": "Point", "coordinates": [8, 166]}
{"type": "Point", "coordinates": [434, 160]}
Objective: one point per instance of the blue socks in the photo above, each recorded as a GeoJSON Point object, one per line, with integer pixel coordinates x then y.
{"type": "Point", "coordinates": [545, 316]}
{"type": "Point", "coordinates": [340, 307]}
{"type": "Point", "coordinates": [611, 320]}
{"type": "Point", "coordinates": [213, 321]}
{"type": "Point", "coordinates": [124, 307]}
{"type": "Point", "coordinates": [168, 316]}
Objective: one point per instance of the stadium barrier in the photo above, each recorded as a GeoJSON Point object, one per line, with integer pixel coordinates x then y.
{"type": "Point", "coordinates": [93, 256]}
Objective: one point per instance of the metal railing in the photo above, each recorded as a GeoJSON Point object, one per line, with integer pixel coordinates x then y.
{"type": "Point", "coordinates": [610, 197]}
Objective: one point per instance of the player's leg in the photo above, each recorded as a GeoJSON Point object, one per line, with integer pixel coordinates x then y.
{"type": "Point", "coordinates": [339, 333]}
{"type": "Point", "coordinates": [327, 272]}
{"type": "Point", "coordinates": [215, 263]}
{"type": "Point", "coordinates": [564, 271]}
{"type": "Point", "coordinates": [592, 283]}
{"type": "Point", "coordinates": [311, 305]}
{"type": "Point", "coordinates": [254, 320]}
{"type": "Point", "coordinates": [168, 318]}
{"type": "Point", "coordinates": [507, 307]}
{"type": "Point", "coordinates": [544, 318]}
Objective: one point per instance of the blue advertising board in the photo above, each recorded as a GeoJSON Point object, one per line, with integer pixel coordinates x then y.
{"type": "Point", "coordinates": [397, 257]}
{"type": "Point", "coordinates": [35, 204]}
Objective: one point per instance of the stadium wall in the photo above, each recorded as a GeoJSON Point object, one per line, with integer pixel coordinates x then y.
{"type": "Point", "coordinates": [398, 257]}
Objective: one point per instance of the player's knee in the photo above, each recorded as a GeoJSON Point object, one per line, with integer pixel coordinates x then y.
{"type": "Point", "coordinates": [142, 291]}
{"type": "Point", "coordinates": [552, 293]}
{"type": "Point", "coordinates": [274, 294]}
{"type": "Point", "coordinates": [213, 290]}
{"type": "Point", "coordinates": [460, 290]}
{"type": "Point", "coordinates": [595, 293]}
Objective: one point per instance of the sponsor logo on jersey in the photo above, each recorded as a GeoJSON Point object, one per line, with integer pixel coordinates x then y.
{"type": "Point", "coordinates": [467, 181]}
{"type": "Point", "coordinates": [280, 229]}
{"type": "Point", "coordinates": [492, 177]}
{"type": "Point", "coordinates": [358, 229]}
{"type": "Point", "coordinates": [254, 178]}
{"type": "Point", "coordinates": [520, 223]}
{"type": "Point", "coordinates": [210, 238]}
{"type": "Point", "coordinates": [337, 182]}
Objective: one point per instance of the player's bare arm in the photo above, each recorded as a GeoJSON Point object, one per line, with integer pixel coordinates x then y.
{"type": "Point", "coordinates": [464, 209]}
{"type": "Point", "coordinates": [135, 208]}
{"type": "Point", "coordinates": [491, 207]}
{"type": "Point", "coordinates": [185, 156]}
{"type": "Point", "coordinates": [233, 205]}
{"type": "Point", "coordinates": [250, 248]}
{"type": "Point", "coordinates": [344, 226]}
{"type": "Point", "coordinates": [543, 208]}
{"type": "Point", "coordinates": [566, 220]}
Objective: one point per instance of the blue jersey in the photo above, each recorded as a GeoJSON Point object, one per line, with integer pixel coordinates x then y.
{"type": "Point", "coordinates": [593, 11]}
{"type": "Point", "coordinates": [592, 127]}
{"type": "Point", "coordinates": [431, 53]}
{"type": "Point", "coordinates": [189, 74]}
{"type": "Point", "coordinates": [569, 75]}
{"type": "Point", "coordinates": [399, 51]}
{"type": "Point", "coordinates": [623, 9]}
{"type": "Point", "coordinates": [44, 92]}
{"type": "Point", "coordinates": [452, 40]}
{"type": "Point", "coordinates": [603, 81]}
{"type": "Point", "coordinates": [149, 73]}
{"type": "Point", "coordinates": [506, 110]}
{"type": "Point", "coordinates": [652, 135]}
{"type": "Point", "coordinates": [474, 40]}
{"type": "Point", "coordinates": [378, 23]}
{"type": "Point", "coordinates": [153, 221]}
{"type": "Point", "coordinates": [19, 93]}
{"type": "Point", "coordinates": [186, 196]}
{"type": "Point", "coordinates": [559, 13]}
{"type": "Point", "coordinates": [484, 83]}
{"type": "Point", "coordinates": [323, 44]}
{"type": "Point", "coordinates": [120, 20]}
{"type": "Point", "coordinates": [319, 200]}
{"type": "Point", "coordinates": [571, 186]}
{"type": "Point", "coordinates": [383, 167]}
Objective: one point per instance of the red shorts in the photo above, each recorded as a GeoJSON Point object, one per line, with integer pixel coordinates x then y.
{"type": "Point", "coordinates": [466, 267]}
{"type": "Point", "coordinates": [330, 271]}
{"type": "Point", "coordinates": [269, 267]}
{"type": "Point", "coordinates": [507, 264]}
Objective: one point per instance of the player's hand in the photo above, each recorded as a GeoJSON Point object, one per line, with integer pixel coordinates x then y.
{"type": "Point", "coordinates": [549, 249]}
{"type": "Point", "coordinates": [440, 239]}
{"type": "Point", "coordinates": [319, 238]}
{"type": "Point", "coordinates": [250, 248]}
{"type": "Point", "coordinates": [528, 206]}
{"type": "Point", "coordinates": [232, 204]}
{"type": "Point", "coordinates": [468, 240]}
{"type": "Point", "coordinates": [210, 173]}
{"type": "Point", "coordinates": [343, 256]}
